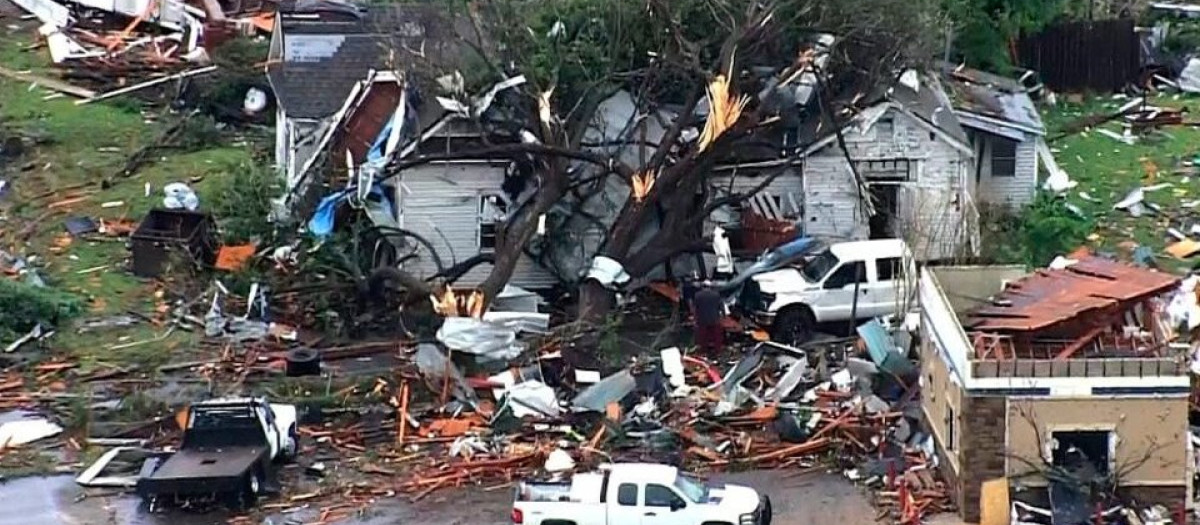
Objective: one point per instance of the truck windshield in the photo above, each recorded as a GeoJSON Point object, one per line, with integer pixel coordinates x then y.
{"type": "Point", "coordinates": [692, 489]}
{"type": "Point", "coordinates": [816, 269]}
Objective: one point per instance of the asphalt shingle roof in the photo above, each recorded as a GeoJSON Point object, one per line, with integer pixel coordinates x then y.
{"type": "Point", "coordinates": [327, 49]}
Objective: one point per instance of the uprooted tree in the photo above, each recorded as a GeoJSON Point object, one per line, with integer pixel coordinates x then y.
{"type": "Point", "coordinates": [714, 77]}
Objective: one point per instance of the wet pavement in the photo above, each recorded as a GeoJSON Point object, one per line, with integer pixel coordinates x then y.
{"type": "Point", "coordinates": [801, 499]}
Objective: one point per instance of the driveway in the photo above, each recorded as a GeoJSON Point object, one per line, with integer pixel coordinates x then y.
{"type": "Point", "coordinates": [803, 499]}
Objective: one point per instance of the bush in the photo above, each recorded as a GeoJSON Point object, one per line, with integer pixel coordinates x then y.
{"type": "Point", "coordinates": [23, 306]}
{"type": "Point", "coordinates": [241, 204]}
{"type": "Point", "coordinates": [1034, 236]}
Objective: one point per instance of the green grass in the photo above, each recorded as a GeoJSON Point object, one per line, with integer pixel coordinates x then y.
{"type": "Point", "coordinates": [81, 146]}
{"type": "Point", "coordinates": [1107, 170]}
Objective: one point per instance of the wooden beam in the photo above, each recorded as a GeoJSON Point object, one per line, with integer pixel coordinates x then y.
{"type": "Point", "coordinates": [49, 83]}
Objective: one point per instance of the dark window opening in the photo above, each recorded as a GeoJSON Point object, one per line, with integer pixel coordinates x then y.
{"type": "Point", "coordinates": [888, 269]}
{"type": "Point", "coordinates": [627, 495]}
{"type": "Point", "coordinates": [1082, 451]}
{"type": "Point", "coordinates": [492, 212]}
{"type": "Point", "coordinates": [846, 275]}
{"type": "Point", "coordinates": [1004, 158]}
{"type": "Point", "coordinates": [950, 427]}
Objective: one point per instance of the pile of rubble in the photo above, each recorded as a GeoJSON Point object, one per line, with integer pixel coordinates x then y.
{"type": "Point", "coordinates": [104, 49]}
{"type": "Point", "coordinates": [846, 405]}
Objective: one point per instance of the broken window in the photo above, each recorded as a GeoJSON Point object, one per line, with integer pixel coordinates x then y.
{"type": "Point", "coordinates": [1004, 157]}
{"type": "Point", "coordinates": [897, 170]}
{"type": "Point", "coordinates": [1082, 451]}
{"type": "Point", "coordinates": [492, 212]}
{"type": "Point", "coordinates": [950, 437]}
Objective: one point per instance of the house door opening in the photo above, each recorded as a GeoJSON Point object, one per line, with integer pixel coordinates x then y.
{"type": "Point", "coordinates": [1082, 451]}
{"type": "Point", "coordinates": [885, 199]}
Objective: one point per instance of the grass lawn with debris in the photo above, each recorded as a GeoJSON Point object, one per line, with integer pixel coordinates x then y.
{"type": "Point", "coordinates": [80, 147]}
{"type": "Point", "coordinates": [1108, 169]}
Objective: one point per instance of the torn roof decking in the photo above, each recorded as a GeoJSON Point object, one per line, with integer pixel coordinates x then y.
{"type": "Point", "coordinates": [1048, 297]}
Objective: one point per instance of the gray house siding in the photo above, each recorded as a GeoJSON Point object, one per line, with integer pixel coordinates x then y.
{"type": "Point", "coordinates": [933, 212]}
{"type": "Point", "coordinates": [440, 202]}
{"type": "Point", "coordinates": [1015, 191]}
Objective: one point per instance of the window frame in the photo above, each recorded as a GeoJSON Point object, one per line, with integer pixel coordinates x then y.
{"type": "Point", "coordinates": [490, 224]}
{"type": "Point", "coordinates": [997, 159]}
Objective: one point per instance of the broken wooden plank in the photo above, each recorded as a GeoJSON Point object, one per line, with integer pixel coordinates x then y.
{"type": "Point", "coordinates": [143, 85]}
{"type": "Point", "coordinates": [48, 83]}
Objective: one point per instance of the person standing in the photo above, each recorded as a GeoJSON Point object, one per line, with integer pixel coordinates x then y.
{"type": "Point", "coordinates": [708, 307]}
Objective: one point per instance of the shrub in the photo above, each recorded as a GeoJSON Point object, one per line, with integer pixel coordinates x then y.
{"type": "Point", "coordinates": [23, 306]}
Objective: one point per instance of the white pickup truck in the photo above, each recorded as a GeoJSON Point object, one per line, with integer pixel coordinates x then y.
{"type": "Point", "coordinates": [859, 280]}
{"type": "Point", "coordinates": [637, 494]}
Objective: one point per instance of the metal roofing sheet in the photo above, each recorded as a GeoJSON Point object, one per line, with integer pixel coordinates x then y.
{"type": "Point", "coordinates": [1046, 297]}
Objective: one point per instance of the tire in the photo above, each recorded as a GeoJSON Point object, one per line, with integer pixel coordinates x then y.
{"type": "Point", "coordinates": [558, 522]}
{"type": "Point", "coordinates": [765, 517]}
{"type": "Point", "coordinates": [303, 362]}
{"type": "Point", "coordinates": [716, 523]}
{"type": "Point", "coordinates": [254, 484]}
{"type": "Point", "coordinates": [793, 326]}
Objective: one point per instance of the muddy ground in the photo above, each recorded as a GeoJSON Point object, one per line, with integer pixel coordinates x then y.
{"type": "Point", "coordinates": [804, 499]}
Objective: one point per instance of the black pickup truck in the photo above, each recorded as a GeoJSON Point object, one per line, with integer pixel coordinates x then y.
{"type": "Point", "coordinates": [227, 451]}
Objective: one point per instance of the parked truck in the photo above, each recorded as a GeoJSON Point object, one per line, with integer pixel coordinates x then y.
{"type": "Point", "coordinates": [228, 448]}
{"type": "Point", "coordinates": [850, 280]}
{"type": "Point", "coordinates": [637, 494]}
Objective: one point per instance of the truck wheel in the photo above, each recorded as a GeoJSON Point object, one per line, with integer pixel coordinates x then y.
{"type": "Point", "coordinates": [253, 488]}
{"type": "Point", "coordinates": [765, 517]}
{"type": "Point", "coordinates": [793, 326]}
{"type": "Point", "coordinates": [716, 523]}
{"type": "Point", "coordinates": [558, 522]}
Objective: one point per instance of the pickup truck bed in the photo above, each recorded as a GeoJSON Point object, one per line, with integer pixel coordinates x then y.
{"type": "Point", "coordinates": [203, 470]}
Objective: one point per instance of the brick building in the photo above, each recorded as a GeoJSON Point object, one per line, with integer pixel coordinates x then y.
{"type": "Point", "coordinates": [1018, 371]}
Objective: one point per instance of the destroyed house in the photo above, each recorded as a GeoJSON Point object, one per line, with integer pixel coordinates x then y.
{"type": "Point", "coordinates": [1027, 378]}
{"type": "Point", "coordinates": [1005, 132]}
{"type": "Point", "coordinates": [904, 174]}
{"type": "Point", "coordinates": [321, 50]}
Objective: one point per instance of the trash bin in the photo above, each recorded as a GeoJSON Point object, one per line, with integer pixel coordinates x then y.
{"type": "Point", "coordinates": [164, 232]}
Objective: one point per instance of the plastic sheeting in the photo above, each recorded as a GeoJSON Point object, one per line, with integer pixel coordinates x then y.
{"type": "Point", "coordinates": [485, 340]}
{"type": "Point", "coordinates": [435, 366]}
{"type": "Point", "coordinates": [178, 195]}
{"type": "Point", "coordinates": [533, 398]}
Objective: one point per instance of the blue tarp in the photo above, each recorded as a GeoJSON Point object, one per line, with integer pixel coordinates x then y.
{"type": "Point", "coordinates": [773, 260]}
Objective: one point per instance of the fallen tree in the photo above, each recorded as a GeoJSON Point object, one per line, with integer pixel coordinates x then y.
{"type": "Point", "coordinates": [715, 77]}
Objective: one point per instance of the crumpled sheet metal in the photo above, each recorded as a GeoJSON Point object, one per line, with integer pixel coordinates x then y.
{"type": "Point", "coordinates": [611, 389]}
{"type": "Point", "coordinates": [488, 341]}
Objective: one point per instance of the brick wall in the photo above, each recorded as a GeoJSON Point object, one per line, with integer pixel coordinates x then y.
{"type": "Point", "coordinates": [982, 449]}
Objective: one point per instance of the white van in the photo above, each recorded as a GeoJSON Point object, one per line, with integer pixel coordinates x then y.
{"type": "Point", "coordinates": [860, 280]}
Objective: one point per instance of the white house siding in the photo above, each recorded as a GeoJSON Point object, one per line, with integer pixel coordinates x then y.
{"type": "Point", "coordinates": [931, 204]}
{"type": "Point", "coordinates": [1012, 192]}
{"type": "Point", "coordinates": [440, 202]}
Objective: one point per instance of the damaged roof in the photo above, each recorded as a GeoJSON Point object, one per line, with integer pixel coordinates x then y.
{"type": "Point", "coordinates": [992, 96]}
{"type": "Point", "coordinates": [1047, 297]}
{"type": "Point", "coordinates": [321, 49]}
{"type": "Point", "coordinates": [928, 103]}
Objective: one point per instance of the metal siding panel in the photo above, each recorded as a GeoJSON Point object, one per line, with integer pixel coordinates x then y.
{"type": "Point", "coordinates": [440, 203]}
